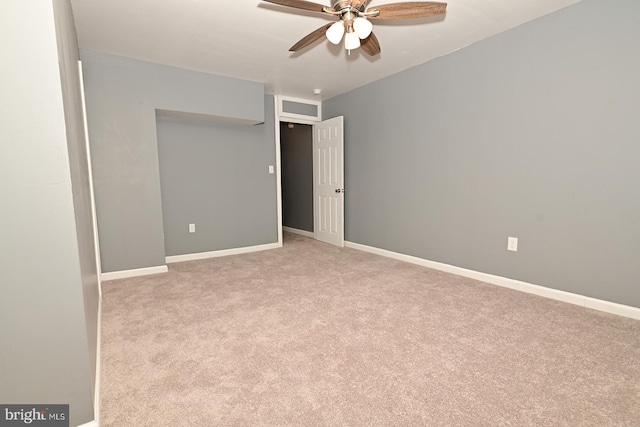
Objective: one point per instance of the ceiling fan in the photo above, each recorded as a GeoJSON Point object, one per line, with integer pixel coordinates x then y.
{"type": "Point", "coordinates": [354, 22]}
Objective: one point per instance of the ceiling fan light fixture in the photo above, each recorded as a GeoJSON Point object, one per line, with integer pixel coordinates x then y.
{"type": "Point", "coordinates": [354, 25]}
{"type": "Point", "coordinates": [335, 32]}
{"type": "Point", "coordinates": [351, 40]}
{"type": "Point", "coordinates": [362, 27]}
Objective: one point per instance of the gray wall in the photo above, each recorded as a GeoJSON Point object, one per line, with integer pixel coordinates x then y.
{"type": "Point", "coordinates": [79, 169]}
{"type": "Point", "coordinates": [533, 133]}
{"type": "Point", "coordinates": [122, 98]}
{"type": "Point", "coordinates": [48, 309]}
{"type": "Point", "coordinates": [216, 176]}
{"type": "Point", "coordinates": [296, 153]}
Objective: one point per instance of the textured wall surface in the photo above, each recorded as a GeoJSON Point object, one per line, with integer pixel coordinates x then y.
{"type": "Point", "coordinates": [122, 98]}
{"type": "Point", "coordinates": [216, 176]}
{"type": "Point", "coordinates": [48, 308]}
{"type": "Point", "coordinates": [532, 133]}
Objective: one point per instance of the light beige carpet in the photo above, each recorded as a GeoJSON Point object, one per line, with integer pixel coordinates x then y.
{"type": "Point", "coordinates": [313, 335]}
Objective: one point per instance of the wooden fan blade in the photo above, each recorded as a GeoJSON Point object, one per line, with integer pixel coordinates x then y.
{"type": "Point", "coordinates": [310, 38]}
{"type": "Point", "coordinates": [358, 3]}
{"type": "Point", "coordinates": [299, 4]}
{"type": "Point", "coordinates": [409, 10]}
{"type": "Point", "coordinates": [370, 45]}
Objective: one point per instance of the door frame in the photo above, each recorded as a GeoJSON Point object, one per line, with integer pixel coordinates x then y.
{"type": "Point", "coordinates": [283, 116]}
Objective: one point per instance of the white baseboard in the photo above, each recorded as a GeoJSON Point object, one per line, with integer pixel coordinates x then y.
{"type": "Point", "coordinates": [581, 300]}
{"type": "Point", "coordinates": [223, 252]}
{"type": "Point", "coordinates": [123, 274]}
{"type": "Point", "coordinates": [96, 393]}
{"type": "Point", "coordinates": [304, 233]}
{"type": "Point", "coordinates": [93, 423]}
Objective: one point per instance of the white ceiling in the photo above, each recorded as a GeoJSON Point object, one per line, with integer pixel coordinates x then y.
{"type": "Point", "coordinates": [250, 39]}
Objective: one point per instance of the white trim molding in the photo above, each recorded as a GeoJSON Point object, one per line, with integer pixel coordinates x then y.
{"type": "Point", "coordinates": [96, 393]}
{"type": "Point", "coordinates": [220, 253]}
{"type": "Point", "coordinates": [304, 233]}
{"type": "Point", "coordinates": [123, 274]}
{"type": "Point", "coordinates": [276, 126]}
{"type": "Point", "coordinates": [281, 116]}
{"type": "Point", "coordinates": [93, 423]}
{"type": "Point", "coordinates": [285, 115]}
{"type": "Point", "coordinates": [581, 300]}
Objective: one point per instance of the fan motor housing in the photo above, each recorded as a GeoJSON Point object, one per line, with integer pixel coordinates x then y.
{"type": "Point", "coordinates": [341, 5]}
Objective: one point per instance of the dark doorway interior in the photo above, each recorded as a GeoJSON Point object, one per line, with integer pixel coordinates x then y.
{"type": "Point", "coordinates": [296, 155]}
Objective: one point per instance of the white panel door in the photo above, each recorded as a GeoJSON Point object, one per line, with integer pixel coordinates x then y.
{"type": "Point", "coordinates": [328, 181]}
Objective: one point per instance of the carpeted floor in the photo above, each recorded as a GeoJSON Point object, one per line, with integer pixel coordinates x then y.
{"type": "Point", "coordinates": [314, 335]}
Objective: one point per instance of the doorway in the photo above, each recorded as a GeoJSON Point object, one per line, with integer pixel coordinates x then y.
{"type": "Point", "coordinates": [296, 163]}
{"type": "Point", "coordinates": [323, 201]}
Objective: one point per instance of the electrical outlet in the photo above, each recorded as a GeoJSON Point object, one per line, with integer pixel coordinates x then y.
{"type": "Point", "coordinates": [512, 244]}
{"type": "Point", "coordinates": [192, 228]}
{"type": "Point", "coordinates": [271, 169]}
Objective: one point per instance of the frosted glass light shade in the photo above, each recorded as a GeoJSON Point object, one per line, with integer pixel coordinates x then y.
{"type": "Point", "coordinates": [335, 32]}
{"type": "Point", "coordinates": [362, 27]}
{"type": "Point", "coordinates": [351, 41]}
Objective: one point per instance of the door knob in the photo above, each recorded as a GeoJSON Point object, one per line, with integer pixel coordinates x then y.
{"type": "Point", "coordinates": [339, 190]}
